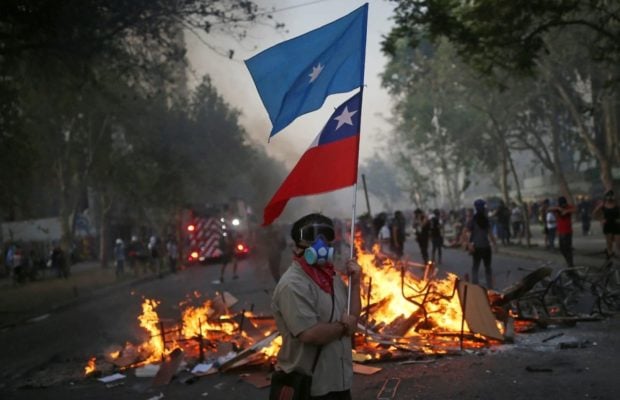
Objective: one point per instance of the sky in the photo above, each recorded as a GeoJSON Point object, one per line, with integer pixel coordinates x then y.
{"type": "Point", "coordinates": [209, 55]}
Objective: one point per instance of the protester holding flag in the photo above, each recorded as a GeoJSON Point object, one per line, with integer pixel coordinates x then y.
{"type": "Point", "coordinates": [310, 308]}
{"type": "Point", "coordinates": [294, 78]}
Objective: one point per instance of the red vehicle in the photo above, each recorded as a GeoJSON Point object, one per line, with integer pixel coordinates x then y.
{"type": "Point", "coordinates": [202, 235]}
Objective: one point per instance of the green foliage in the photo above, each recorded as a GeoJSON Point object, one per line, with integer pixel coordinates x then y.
{"type": "Point", "coordinates": [439, 130]}
{"type": "Point", "coordinates": [509, 34]}
{"type": "Point", "coordinates": [94, 98]}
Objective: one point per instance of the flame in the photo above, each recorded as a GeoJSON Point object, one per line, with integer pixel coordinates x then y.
{"type": "Point", "coordinates": [405, 304]}
{"type": "Point", "coordinates": [273, 348]}
{"type": "Point", "coordinates": [90, 366]}
{"type": "Point", "coordinates": [398, 293]}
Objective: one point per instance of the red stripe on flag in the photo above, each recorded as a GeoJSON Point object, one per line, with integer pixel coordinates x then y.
{"type": "Point", "coordinates": [321, 169]}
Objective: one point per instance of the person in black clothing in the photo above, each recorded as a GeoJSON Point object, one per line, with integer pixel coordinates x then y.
{"type": "Point", "coordinates": [227, 246]}
{"type": "Point", "coordinates": [610, 213]}
{"type": "Point", "coordinates": [436, 234]}
{"type": "Point", "coordinates": [397, 236]}
{"type": "Point", "coordinates": [479, 243]}
{"type": "Point", "coordinates": [585, 214]}
{"type": "Point", "coordinates": [503, 222]}
{"type": "Point", "coordinates": [59, 262]}
{"type": "Point", "coordinates": [421, 227]}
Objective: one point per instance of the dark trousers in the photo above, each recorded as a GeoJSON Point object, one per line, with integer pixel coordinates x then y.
{"type": "Point", "coordinates": [423, 242]}
{"type": "Point", "coordinates": [437, 243]}
{"type": "Point", "coordinates": [566, 248]}
{"type": "Point", "coordinates": [482, 254]}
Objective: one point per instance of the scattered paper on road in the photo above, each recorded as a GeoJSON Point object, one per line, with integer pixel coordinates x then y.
{"type": "Point", "coordinates": [204, 369]}
{"type": "Point", "coordinates": [111, 378]}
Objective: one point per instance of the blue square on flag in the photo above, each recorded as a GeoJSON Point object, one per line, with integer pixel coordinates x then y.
{"type": "Point", "coordinates": [294, 77]}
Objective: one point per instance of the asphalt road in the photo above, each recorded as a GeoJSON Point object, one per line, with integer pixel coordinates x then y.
{"type": "Point", "coordinates": [45, 359]}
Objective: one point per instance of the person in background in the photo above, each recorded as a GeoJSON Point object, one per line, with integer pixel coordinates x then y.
{"type": "Point", "coordinates": [585, 214]}
{"type": "Point", "coordinates": [542, 217]}
{"type": "Point", "coordinates": [436, 234]}
{"type": "Point", "coordinates": [480, 240]}
{"type": "Point", "coordinates": [312, 311]}
{"type": "Point", "coordinates": [155, 255]}
{"type": "Point", "coordinates": [516, 220]}
{"type": "Point", "coordinates": [275, 243]}
{"type": "Point", "coordinates": [59, 261]}
{"type": "Point", "coordinates": [397, 232]}
{"type": "Point", "coordinates": [119, 257]}
{"type": "Point", "coordinates": [551, 224]}
{"type": "Point", "coordinates": [503, 223]}
{"type": "Point", "coordinates": [421, 227]}
{"type": "Point", "coordinates": [384, 236]}
{"type": "Point", "coordinates": [608, 212]}
{"type": "Point", "coordinates": [564, 216]}
{"type": "Point", "coordinates": [227, 246]}
{"type": "Point", "coordinates": [173, 254]}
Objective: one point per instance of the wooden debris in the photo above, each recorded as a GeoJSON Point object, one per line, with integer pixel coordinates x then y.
{"type": "Point", "coordinates": [401, 325]}
{"type": "Point", "coordinates": [477, 311]}
{"type": "Point", "coordinates": [364, 369]}
{"type": "Point", "coordinates": [168, 368]}
{"type": "Point", "coordinates": [248, 352]}
{"type": "Point", "coordinates": [520, 288]}
{"type": "Point", "coordinates": [260, 380]}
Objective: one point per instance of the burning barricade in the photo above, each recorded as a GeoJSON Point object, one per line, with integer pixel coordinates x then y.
{"type": "Point", "coordinates": [408, 309]}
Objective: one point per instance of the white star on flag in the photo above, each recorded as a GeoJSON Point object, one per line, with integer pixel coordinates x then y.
{"type": "Point", "coordinates": [316, 71]}
{"type": "Point", "coordinates": [345, 117]}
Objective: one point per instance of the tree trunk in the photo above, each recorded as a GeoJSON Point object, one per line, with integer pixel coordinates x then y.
{"type": "Point", "coordinates": [524, 208]}
{"type": "Point", "coordinates": [585, 134]}
{"type": "Point", "coordinates": [104, 245]}
{"type": "Point", "coordinates": [558, 171]}
{"type": "Point", "coordinates": [504, 170]}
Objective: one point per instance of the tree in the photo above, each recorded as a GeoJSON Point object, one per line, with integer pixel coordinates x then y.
{"type": "Point", "coordinates": [83, 85]}
{"type": "Point", "coordinates": [438, 132]}
{"type": "Point", "coordinates": [528, 38]}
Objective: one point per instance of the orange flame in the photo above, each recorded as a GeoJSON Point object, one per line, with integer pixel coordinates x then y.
{"type": "Point", "coordinates": [399, 293]}
{"type": "Point", "coordinates": [90, 366]}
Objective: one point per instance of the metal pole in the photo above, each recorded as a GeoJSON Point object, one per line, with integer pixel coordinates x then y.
{"type": "Point", "coordinates": [366, 194]}
{"type": "Point", "coordinates": [463, 319]}
{"type": "Point", "coordinates": [368, 308]}
{"type": "Point", "coordinates": [352, 245]}
{"type": "Point", "coordinates": [163, 339]}
{"type": "Point", "coordinates": [200, 341]}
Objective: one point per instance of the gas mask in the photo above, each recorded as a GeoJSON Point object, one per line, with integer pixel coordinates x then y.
{"type": "Point", "coordinates": [319, 252]}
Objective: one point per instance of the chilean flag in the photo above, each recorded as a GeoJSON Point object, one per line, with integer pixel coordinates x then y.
{"type": "Point", "coordinates": [329, 164]}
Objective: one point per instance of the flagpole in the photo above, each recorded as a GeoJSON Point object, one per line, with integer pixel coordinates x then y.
{"type": "Point", "coordinates": [352, 244]}
{"type": "Point", "coordinates": [364, 34]}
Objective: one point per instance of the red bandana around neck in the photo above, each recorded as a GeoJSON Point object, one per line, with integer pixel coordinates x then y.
{"type": "Point", "coordinates": [322, 275]}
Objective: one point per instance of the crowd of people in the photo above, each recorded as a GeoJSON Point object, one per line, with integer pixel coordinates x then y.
{"type": "Point", "coordinates": [485, 224]}
{"type": "Point", "coordinates": [28, 262]}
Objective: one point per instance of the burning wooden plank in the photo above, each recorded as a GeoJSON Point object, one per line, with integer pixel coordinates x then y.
{"type": "Point", "coordinates": [401, 325]}
{"type": "Point", "coordinates": [248, 352]}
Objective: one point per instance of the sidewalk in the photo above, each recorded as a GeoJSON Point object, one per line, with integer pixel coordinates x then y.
{"type": "Point", "coordinates": [21, 303]}
{"type": "Point", "coordinates": [587, 250]}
